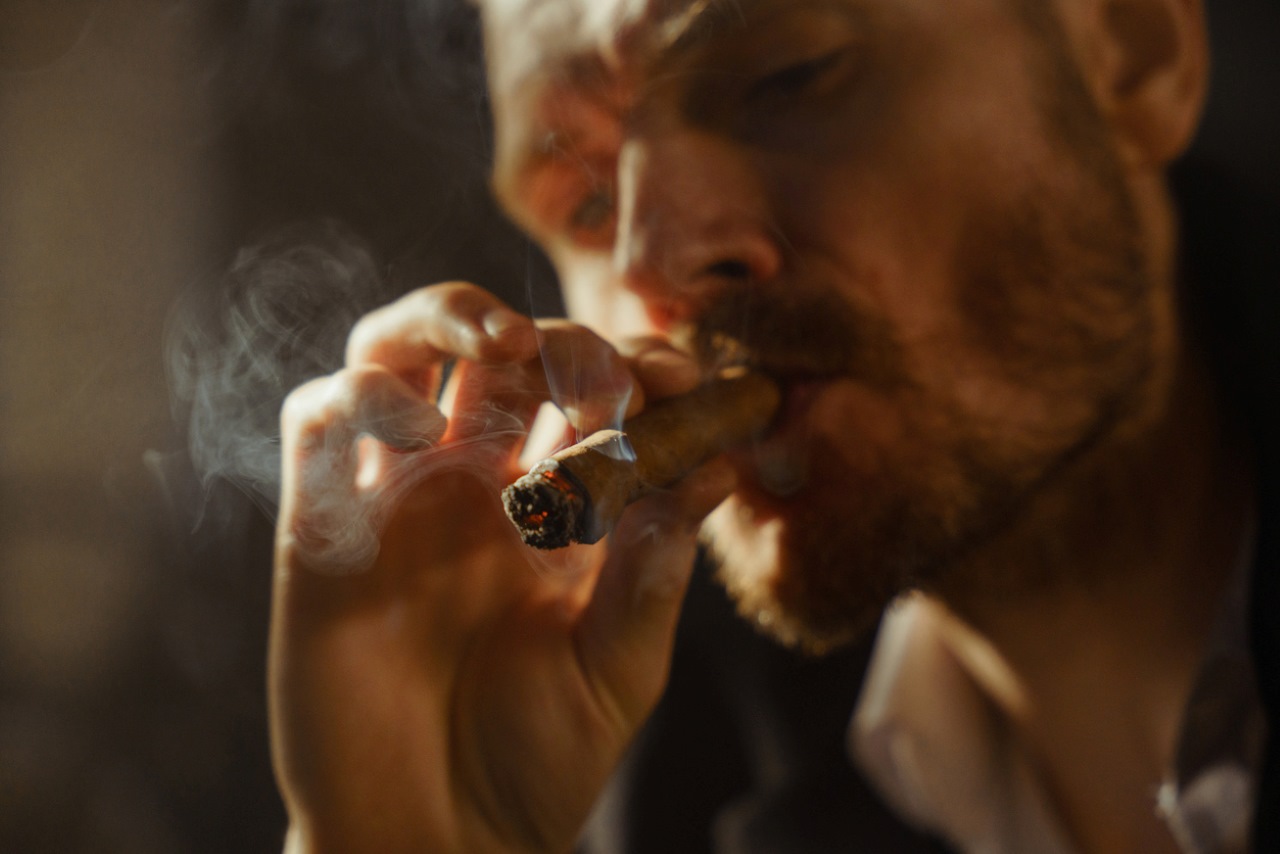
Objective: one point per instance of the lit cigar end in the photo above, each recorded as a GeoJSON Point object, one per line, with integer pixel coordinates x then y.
{"type": "Point", "coordinates": [547, 506]}
{"type": "Point", "coordinates": [578, 495]}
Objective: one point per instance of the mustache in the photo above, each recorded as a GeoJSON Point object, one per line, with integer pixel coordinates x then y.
{"type": "Point", "coordinates": [793, 333]}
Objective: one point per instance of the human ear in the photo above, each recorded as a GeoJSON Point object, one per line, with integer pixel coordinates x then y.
{"type": "Point", "coordinates": [1151, 73]}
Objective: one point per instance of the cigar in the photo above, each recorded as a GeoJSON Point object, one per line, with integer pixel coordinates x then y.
{"type": "Point", "coordinates": [577, 495]}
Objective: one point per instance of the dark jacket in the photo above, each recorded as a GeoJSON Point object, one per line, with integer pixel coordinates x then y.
{"type": "Point", "coordinates": [1231, 240]}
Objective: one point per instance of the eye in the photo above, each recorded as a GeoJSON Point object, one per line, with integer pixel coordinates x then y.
{"type": "Point", "coordinates": [568, 199]}
{"type": "Point", "coordinates": [594, 211]}
{"type": "Point", "coordinates": [793, 79]}
{"type": "Point", "coordinates": [591, 222]}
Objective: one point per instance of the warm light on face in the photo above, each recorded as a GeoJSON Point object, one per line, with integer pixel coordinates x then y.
{"type": "Point", "coordinates": [882, 180]}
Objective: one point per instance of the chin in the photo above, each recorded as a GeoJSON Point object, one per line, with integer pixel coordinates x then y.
{"type": "Point", "coordinates": [783, 568]}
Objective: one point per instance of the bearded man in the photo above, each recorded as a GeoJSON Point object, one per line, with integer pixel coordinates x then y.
{"type": "Point", "coordinates": [945, 230]}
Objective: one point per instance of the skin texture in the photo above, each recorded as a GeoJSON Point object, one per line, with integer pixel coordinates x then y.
{"type": "Point", "coordinates": [972, 278]}
{"type": "Point", "coordinates": [943, 227]}
{"type": "Point", "coordinates": [397, 679]}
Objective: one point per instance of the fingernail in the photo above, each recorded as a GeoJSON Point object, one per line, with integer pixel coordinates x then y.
{"type": "Point", "coordinates": [502, 321]}
{"type": "Point", "coordinates": [675, 368]}
{"type": "Point", "coordinates": [670, 359]}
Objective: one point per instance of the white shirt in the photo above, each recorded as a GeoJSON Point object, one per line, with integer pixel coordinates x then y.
{"type": "Point", "coordinates": [939, 750]}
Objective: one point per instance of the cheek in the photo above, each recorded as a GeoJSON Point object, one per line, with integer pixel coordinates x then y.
{"type": "Point", "coordinates": [594, 298]}
{"type": "Point", "coordinates": [885, 235]}
{"type": "Point", "coordinates": [859, 424]}
{"type": "Point", "coordinates": [891, 209]}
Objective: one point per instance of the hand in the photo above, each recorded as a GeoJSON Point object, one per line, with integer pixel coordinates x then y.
{"type": "Point", "coordinates": [435, 684]}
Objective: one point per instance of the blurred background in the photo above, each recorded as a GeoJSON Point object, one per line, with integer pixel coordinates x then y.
{"type": "Point", "coordinates": [197, 198]}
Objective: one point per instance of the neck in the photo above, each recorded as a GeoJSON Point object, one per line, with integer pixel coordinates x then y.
{"type": "Point", "coordinates": [1134, 551]}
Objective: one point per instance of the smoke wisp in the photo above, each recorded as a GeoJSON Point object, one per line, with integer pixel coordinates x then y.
{"type": "Point", "coordinates": [280, 317]}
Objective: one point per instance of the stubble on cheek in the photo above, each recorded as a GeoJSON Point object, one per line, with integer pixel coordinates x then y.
{"type": "Point", "coordinates": [890, 482]}
{"type": "Point", "coordinates": [786, 559]}
{"type": "Point", "coordinates": [791, 580]}
{"type": "Point", "coordinates": [1056, 301]}
{"type": "Point", "coordinates": [880, 510]}
{"type": "Point", "coordinates": [1050, 350]}
{"type": "Point", "coordinates": [1056, 350]}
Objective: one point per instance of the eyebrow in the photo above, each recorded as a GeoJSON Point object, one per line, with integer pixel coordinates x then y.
{"type": "Point", "coordinates": [701, 20]}
{"type": "Point", "coordinates": [705, 19]}
{"type": "Point", "coordinates": [683, 33]}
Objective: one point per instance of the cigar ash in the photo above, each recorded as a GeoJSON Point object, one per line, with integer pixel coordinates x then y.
{"type": "Point", "coordinates": [547, 506]}
{"type": "Point", "coordinates": [555, 504]}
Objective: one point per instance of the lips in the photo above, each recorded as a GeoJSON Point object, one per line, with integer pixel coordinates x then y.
{"type": "Point", "coordinates": [779, 464]}
{"type": "Point", "coordinates": [808, 339]}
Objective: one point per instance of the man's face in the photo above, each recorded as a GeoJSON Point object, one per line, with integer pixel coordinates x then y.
{"type": "Point", "coordinates": [908, 210]}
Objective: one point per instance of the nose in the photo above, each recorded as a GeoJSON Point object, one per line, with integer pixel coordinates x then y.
{"type": "Point", "coordinates": [693, 220]}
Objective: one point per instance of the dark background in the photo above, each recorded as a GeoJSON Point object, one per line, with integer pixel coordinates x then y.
{"type": "Point", "coordinates": [143, 145]}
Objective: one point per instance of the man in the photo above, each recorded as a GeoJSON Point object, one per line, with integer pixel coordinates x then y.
{"type": "Point", "coordinates": [945, 228]}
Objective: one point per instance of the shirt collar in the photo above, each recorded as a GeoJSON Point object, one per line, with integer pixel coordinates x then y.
{"type": "Point", "coordinates": [929, 738]}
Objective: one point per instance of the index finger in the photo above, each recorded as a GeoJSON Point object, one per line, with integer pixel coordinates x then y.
{"type": "Point", "coordinates": [426, 327]}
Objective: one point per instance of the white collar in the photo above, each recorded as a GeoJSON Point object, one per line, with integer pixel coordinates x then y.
{"type": "Point", "coordinates": [928, 737]}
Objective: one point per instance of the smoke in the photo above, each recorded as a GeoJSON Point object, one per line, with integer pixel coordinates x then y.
{"type": "Point", "coordinates": [279, 317]}
{"type": "Point", "coordinates": [374, 115]}
{"type": "Point", "coordinates": [369, 114]}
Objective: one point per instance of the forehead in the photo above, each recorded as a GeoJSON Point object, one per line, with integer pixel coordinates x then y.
{"type": "Point", "coordinates": [572, 75]}
{"type": "Point", "coordinates": [554, 62]}
{"type": "Point", "coordinates": [530, 37]}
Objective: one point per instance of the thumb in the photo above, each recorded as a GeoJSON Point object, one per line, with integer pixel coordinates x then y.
{"type": "Point", "coordinates": [627, 630]}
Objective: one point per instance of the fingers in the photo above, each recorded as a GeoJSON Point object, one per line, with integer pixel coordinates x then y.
{"type": "Point", "coordinates": [505, 368]}
{"type": "Point", "coordinates": [329, 413]}
{"type": "Point", "coordinates": [508, 365]}
{"type": "Point", "coordinates": [415, 335]}
{"type": "Point", "coordinates": [586, 377]}
{"type": "Point", "coordinates": [661, 369]}
{"type": "Point", "coordinates": [576, 369]}
{"type": "Point", "coordinates": [597, 385]}
{"type": "Point", "coordinates": [495, 347]}
{"type": "Point", "coordinates": [628, 627]}
{"type": "Point", "coordinates": [329, 512]}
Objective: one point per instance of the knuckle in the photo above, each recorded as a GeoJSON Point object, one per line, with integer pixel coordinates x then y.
{"type": "Point", "coordinates": [367, 383]}
{"type": "Point", "coordinates": [587, 374]}
{"type": "Point", "coordinates": [582, 347]}
{"type": "Point", "coordinates": [362, 342]}
{"type": "Point", "coordinates": [318, 413]}
{"type": "Point", "coordinates": [310, 435]}
{"type": "Point", "coordinates": [302, 405]}
{"type": "Point", "coordinates": [448, 298]}
{"type": "Point", "coordinates": [664, 370]}
{"type": "Point", "coordinates": [635, 346]}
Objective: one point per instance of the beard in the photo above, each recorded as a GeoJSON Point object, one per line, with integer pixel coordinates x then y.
{"type": "Point", "coordinates": [1054, 297]}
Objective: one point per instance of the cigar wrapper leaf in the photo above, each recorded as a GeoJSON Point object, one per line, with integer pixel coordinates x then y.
{"type": "Point", "coordinates": [577, 495]}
